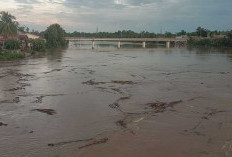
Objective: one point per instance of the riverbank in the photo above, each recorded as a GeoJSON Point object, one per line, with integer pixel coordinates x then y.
{"type": "Point", "coordinates": [217, 43]}
{"type": "Point", "coordinates": [17, 55]}
{"type": "Point", "coordinates": [11, 56]}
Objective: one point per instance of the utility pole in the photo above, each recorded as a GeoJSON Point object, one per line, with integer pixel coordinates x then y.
{"type": "Point", "coordinates": [97, 30]}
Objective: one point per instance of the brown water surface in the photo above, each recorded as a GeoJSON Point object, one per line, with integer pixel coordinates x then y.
{"type": "Point", "coordinates": [146, 102]}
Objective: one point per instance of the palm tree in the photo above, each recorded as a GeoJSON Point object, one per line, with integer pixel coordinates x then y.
{"type": "Point", "coordinates": [8, 24]}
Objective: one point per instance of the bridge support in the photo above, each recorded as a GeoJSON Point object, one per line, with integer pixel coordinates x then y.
{"type": "Point", "coordinates": [144, 44]}
{"type": "Point", "coordinates": [119, 44]}
{"type": "Point", "coordinates": [93, 44]}
{"type": "Point", "coordinates": [168, 44]}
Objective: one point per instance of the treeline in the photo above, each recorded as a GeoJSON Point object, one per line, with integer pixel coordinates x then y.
{"type": "Point", "coordinates": [118, 34]}
{"type": "Point", "coordinates": [200, 32]}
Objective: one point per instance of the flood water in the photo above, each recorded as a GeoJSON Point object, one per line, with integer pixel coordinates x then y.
{"type": "Point", "coordinates": [109, 93]}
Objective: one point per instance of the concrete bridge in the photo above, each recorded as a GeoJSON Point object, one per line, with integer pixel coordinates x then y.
{"type": "Point", "coordinates": [119, 40]}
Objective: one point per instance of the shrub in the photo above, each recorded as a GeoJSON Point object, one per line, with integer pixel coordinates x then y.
{"type": "Point", "coordinates": [9, 56]}
{"type": "Point", "coordinates": [211, 42]}
{"type": "Point", "coordinates": [12, 44]}
{"type": "Point", "coordinates": [38, 45]}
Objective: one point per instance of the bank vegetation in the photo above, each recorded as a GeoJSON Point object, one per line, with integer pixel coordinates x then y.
{"type": "Point", "coordinates": [16, 43]}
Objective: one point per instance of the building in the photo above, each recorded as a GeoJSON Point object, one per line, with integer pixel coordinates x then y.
{"type": "Point", "coordinates": [32, 36]}
{"type": "Point", "coordinates": [219, 36]}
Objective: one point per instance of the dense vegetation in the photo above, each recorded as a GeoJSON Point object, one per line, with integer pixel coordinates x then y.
{"type": "Point", "coordinates": [201, 32]}
{"type": "Point", "coordinates": [9, 28]}
{"type": "Point", "coordinates": [9, 56]}
{"type": "Point", "coordinates": [12, 44]}
{"type": "Point", "coordinates": [8, 24]}
{"type": "Point", "coordinates": [211, 43]}
{"type": "Point", "coordinates": [55, 36]}
{"type": "Point", "coordinates": [118, 34]}
{"type": "Point", "coordinates": [38, 45]}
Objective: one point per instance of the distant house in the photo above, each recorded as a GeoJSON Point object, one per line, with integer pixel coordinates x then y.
{"type": "Point", "coordinates": [12, 37]}
{"type": "Point", "coordinates": [32, 36]}
{"type": "Point", "coordinates": [183, 37]}
{"type": "Point", "coordinates": [219, 36]}
{"type": "Point", "coordinates": [196, 37]}
{"type": "Point", "coordinates": [2, 39]}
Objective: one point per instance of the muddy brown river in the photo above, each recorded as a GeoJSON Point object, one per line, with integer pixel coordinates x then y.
{"type": "Point", "coordinates": [135, 102]}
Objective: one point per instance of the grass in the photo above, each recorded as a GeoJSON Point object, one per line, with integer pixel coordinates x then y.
{"type": "Point", "coordinates": [11, 56]}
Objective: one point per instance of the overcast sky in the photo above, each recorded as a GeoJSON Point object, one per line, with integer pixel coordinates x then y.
{"type": "Point", "coordinates": [113, 15]}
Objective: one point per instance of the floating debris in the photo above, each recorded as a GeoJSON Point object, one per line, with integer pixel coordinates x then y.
{"type": "Point", "coordinates": [91, 71]}
{"type": "Point", "coordinates": [47, 111]}
{"type": "Point", "coordinates": [212, 113]}
{"type": "Point", "coordinates": [3, 76]}
{"type": "Point", "coordinates": [116, 104]}
{"type": "Point", "coordinates": [3, 124]}
{"type": "Point", "coordinates": [92, 82]}
{"type": "Point", "coordinates": [22, 75]}
{"type": "Point", "coordinates": [138, 120]}
{"type": "Point", "coordinates": [39, 99]}
{"type": "Point", "coordinates": [124, 98]}
{"type": "Point", "coordinates": [123, 82]}
{"type": "Point", "coordinates": [100, 141]}
{"type": "Point", "coordinates": [15, 89]}
{"type": "Point", "coordinates": [161, 106]}
{"type": "Point", "coordinates": [52, 71]}
{"type": "Point", "coordinates": [68, 142]}
{"type": "Point", "coordinates": [122, 123]}
{"type": "Point", "coordinates": [117, 90]}
{"type": "Point", "coordinates": [15, 100]}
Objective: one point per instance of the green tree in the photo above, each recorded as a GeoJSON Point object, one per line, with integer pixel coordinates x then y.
{"type": "Point", "coordinates": [8, 24]}
{"type": "Point", "coordinates": [168, 35]}
{"type": "Point", "coordinates": [27, 30]}
{"type": "Point", "coordinates": [38, 45]}
{"type": "Point", "coordinates": [201, 32]}
{"type": "Point", "coordinates": [55, 36]}
{"type": "Point", "coordinates": [12, 44]}
{"type": "Point", "coordinates": [182, 32]}
{"type": "Point", "coordinates": [22, 29]}
{"type": "Point", "coordinates": [229, 34]}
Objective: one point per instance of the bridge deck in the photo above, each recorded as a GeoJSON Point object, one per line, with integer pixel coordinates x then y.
{"type": "Point", "coordinates": [125, 39]}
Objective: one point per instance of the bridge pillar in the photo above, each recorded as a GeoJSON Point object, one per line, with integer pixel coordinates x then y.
{"type": "Point", "coordinates": [168, 44]}
{"type": "Point", "coordinates": [119, 44]}
{"type": "Point", "coordinates": [93, 44]}
{"type": "Point", "coordinates": [144, 44]}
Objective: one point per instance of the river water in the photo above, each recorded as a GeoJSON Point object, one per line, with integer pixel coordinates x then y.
{"type": "Point", "coordinates": [152, 101]}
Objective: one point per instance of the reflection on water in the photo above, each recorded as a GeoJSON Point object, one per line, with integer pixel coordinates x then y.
{"type": "Point", "coordinates": [81, 84]}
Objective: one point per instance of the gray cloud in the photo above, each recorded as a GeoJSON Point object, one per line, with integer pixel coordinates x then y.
{"type": "Point", "coordinates": [138, 15]}
{"type": "Point", "coordinates": [27, 1]}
